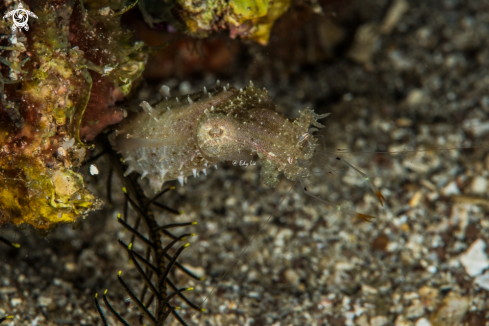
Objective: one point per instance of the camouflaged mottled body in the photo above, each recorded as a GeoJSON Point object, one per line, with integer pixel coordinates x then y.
{"type": "Point", "coordinates": [177, 138]}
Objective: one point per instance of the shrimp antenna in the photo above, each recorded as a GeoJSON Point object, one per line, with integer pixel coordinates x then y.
{"type": "Point", "coordinates": [372, 186]}
{"type": "Point", "coordinates": [319, 162]}
{"type": "Point", "coordinates": [363, 217]}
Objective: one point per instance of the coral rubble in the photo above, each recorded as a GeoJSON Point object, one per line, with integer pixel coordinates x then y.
{"type": "Point", "coordinates": [65, 74]}
{"type": "Point", "coordinates": [247, 19]}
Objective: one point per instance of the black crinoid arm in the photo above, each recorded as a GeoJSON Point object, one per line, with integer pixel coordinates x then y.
{"type": "Point", "coordinates": [158, 295]}
{"type": "Point", "coordinates": [9, 243]}
{"type": "Point", "coordinates": [2, 319]}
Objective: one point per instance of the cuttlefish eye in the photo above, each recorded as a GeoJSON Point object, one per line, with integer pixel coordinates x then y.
{"type": "Point", "coordinates": [216, 132]}
{"type": "Point", "coordinates": [218, 136]}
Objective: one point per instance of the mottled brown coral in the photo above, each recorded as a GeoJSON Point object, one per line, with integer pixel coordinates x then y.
{"type": "Point", "coordinates": [101, 110]}
{"type": "Point", "coordinates": [248, 19]}
{"type": "Point", "coordinates": [32, 193]}
{"type": "Point", "coordinates": [65, 73]}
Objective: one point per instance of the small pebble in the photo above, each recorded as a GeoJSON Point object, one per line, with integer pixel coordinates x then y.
{"type": "Point", "coordinates": [7, 290]}
{"type": "Point", "coordinates": [15, 301]}
{"type": "Point", "coordinates": [475, 260]}
{"type": "Point", "coordinates": [291, 276]}
{"type": "Point", "coordinates": [451, 189]}
{"type": "Point", "coordinates": [44, 301]}
{"type": "Point", "coordinates": [483, 281]}
{"type": "Point", "coordinates": [478, 185]}
{"type": "Point", "coordinates": [422, 322]}
{"type": "Point", "coordinates": [379, 321]}
{"type": "Point", "coordinates": [93, 169]}
{"type": "Point", "coordinates": [451, 311]}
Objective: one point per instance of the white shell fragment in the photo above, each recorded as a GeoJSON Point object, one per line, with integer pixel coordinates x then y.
{"type": "Point", "coordinates": [475, 260]}
{"type": "Point", "coordinates": [93, 169]}
{"type": "Point", "coordinates": [483, 281]}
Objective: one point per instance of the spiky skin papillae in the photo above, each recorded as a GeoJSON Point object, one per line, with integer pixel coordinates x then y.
{"type": "Point", "coordinates": [176, 139]}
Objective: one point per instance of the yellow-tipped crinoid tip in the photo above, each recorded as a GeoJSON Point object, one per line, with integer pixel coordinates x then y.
{"type": "Point", "coordinates": [364, 217]}
{"type": "Point", "coordinates": [16, 245]}
{"type": "Point", "coordinates": [124, 190]}
{"type": "Point", "coordinates": [194, 223]}
{"type": "Point", "coordinates": [130, 246]}
{"type": "Point", "coordinates": [193, 234]}
{"type": "Point", "coordinates": [119, 274]}
{"type": "Point", "coordinates": [380, 197]}
{"type": "Point", "coordinates": [203, 309]}
{"type": "Point", "coordinates": [201, 278]}
{"type": "Point", "coordinates": [189, 289]}
{"type": "Point", "coordinates": [186, 245]}
{"type": "Point", "coordinates": [122, 160]}
{"type": "Point", "coordinates": [177, 308]}
{"type": "Point", "coordinates": [96, 295]}
{"type": "Point", "coordinates": [181, 212]}
{"type": "Point", "coordinates": [105, 292]}
{"type": "Point", "coordinates": [9, 317]}
{"type": "Point", "coordinates": [118, 215]}
{"type": "Point", "coordinates": [172, 187]}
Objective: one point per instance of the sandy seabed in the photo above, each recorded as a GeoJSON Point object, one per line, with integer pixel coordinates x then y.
{"type": "Point", "coordinates": [420, 83]}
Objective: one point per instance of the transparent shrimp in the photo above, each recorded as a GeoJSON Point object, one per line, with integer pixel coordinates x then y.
{"type": "Point", "coordinates": [323, 160]}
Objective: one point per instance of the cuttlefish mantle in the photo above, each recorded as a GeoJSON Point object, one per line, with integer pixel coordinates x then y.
{"type": "Point", "coordinates": [183, 136]}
